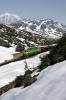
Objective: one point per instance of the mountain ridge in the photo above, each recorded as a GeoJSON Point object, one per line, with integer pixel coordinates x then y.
{"type": "Point", "coordinates": [46, 27]}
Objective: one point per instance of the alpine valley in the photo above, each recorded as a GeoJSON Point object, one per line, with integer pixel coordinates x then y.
{"type": "Point", "coordinates": [39, 76]}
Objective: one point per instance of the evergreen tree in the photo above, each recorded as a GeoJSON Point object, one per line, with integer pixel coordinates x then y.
{"type": "Point", "coordinates": [26, 66]}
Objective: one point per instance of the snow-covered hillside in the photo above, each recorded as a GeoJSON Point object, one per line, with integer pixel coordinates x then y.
{"type": "Point", "coordinates": [9, 72]}
{"type": "Point", "coordinates": [8, 18]}
{"type": "Point", "coordinates": [50, 85]}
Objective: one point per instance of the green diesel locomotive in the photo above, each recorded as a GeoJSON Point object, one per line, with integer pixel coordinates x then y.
{"type": "Point", "coordinates": [31, 51]}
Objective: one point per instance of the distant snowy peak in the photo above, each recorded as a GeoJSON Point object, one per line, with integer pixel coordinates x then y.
{"type": "Point", "coordinates": [8, 18]}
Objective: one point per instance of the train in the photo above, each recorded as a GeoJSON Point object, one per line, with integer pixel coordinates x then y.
{"type": "Point", "coordinates": [35, 50]}
{"type": "Point", "coordinates": [31, 51]}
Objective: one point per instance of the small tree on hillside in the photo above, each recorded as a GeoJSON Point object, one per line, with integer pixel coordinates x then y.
{"type": "Point", "coordinates": [45, 62]}
{"type": "Point", "coordinates": [26, 66]}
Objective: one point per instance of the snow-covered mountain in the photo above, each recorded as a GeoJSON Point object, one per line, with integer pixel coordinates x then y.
{"type": "Point", "coordinates": [8, 18]}
{"type": "Point", "coordinates": [45, 27]}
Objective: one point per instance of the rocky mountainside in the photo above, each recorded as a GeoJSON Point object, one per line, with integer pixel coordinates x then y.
{"type": "Point", "coordinates": [9, 37]}
{"type": "Point", "coordinates": [47, 28]}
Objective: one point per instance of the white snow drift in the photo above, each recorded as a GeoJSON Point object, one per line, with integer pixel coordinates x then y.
{"type": "Point", "coordinates": [50, 85]}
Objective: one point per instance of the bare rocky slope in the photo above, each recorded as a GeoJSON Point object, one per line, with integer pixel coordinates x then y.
{"type": "Point", "coordinates": [9, 37]}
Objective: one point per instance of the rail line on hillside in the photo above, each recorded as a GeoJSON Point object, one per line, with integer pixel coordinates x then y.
{"type": "Point", "coordinates": [9, 61]}
{"type": "Point", "coordinates": [17, 57]}
{"type": "Point", "coordinates": [14, 60]}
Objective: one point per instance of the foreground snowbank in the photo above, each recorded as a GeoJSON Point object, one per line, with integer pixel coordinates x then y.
{"type": "Point", "coordinates": [51, 85]}
{"type": "Point", "coordinates": [9, 72]}
{"type": "Point", "coordinates": [6, 53]}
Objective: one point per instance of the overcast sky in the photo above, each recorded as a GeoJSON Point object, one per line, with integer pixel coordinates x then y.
{"type": "Point", "coordinates": [38, 9]}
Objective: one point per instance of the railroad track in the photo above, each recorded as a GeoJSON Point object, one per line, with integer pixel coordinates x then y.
{"type": "Point", "coordinates": [16, 57]}
{"type": "Point", "coordinates": [12, 60]}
